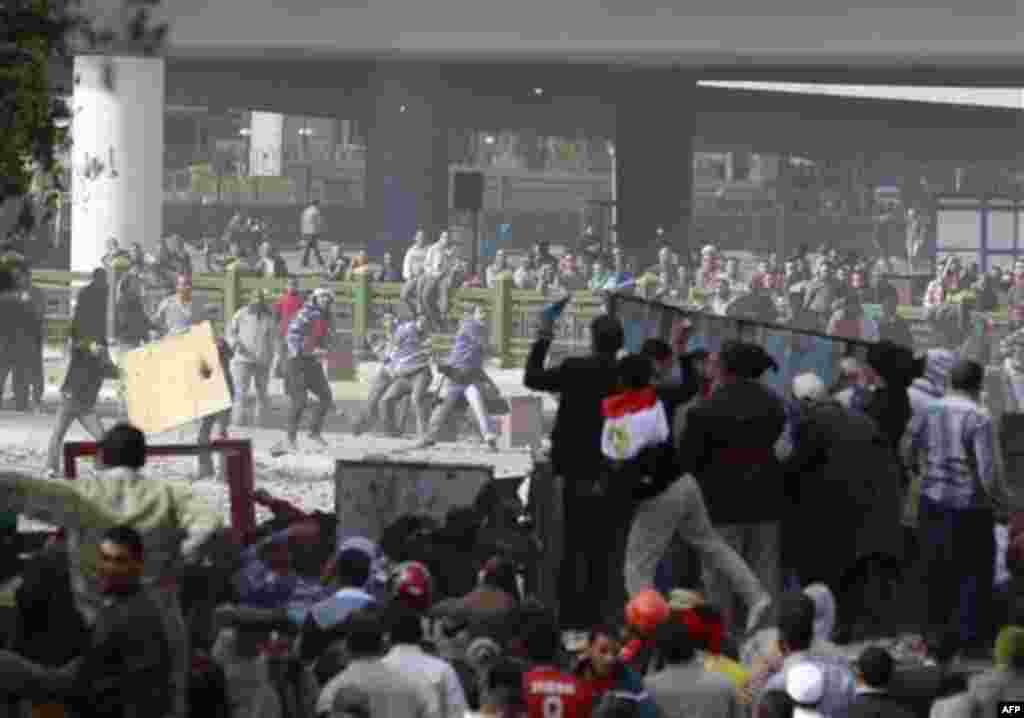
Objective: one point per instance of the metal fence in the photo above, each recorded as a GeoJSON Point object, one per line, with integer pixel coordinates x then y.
{"type": "Point", "coordinates": [795, 350]}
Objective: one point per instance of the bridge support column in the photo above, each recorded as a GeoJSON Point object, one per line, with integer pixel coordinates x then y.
{"type": "Point", "coordinates": [117, 155]}
{"type": "Point", "coordinates": [407, 184]}
{"type": "Point", "coordinates": [654, 138]}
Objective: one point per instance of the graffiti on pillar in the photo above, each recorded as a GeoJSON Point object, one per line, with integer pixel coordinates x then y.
{"type": "Point", "coordinates": [90, 173]}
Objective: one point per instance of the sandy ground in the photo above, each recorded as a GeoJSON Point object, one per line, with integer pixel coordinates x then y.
{"type": "Point", "coordinates": [305, 478]}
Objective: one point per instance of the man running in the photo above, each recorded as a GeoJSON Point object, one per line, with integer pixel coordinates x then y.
{"type": "Point", "coordinates": [310, 333]}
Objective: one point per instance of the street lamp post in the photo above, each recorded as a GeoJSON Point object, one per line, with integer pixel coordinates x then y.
{"type": "Point", "coordinates": [305, 133]}
{"type": "Point", "coordinates": [254, 172]}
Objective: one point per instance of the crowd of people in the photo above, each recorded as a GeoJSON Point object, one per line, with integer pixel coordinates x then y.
{"type": "Point", "coordinates": [723, 542]}
{"type": "Point", "coordinates": [695, 579]}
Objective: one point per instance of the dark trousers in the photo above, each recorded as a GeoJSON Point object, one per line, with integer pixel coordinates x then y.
{"type": "Point", "coordinates": [311, 243]}
{"type": "Point", "coordinates": [590, 586]}
{"type": "Point", "coordinates": [305, 375]}
{"type": "Point", "coordinates": [414, 386]}
{"type": "Point", "coordinates": [958, 549]}
{"type": "Point", "coordinates": [71, 410]}
{"type": "Point", "coordinates": [221, 419]}
{"type": "Point", "coordinates": [35, 377]}
{"type": "Point", "coordinates": [368, 417]}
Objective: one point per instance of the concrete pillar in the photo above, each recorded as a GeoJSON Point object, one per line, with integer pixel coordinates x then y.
{"type": "Point", "coordinates": [407, 183]}
{"type": "Point", "coordinates": [117, 155]}
{"type": "Point", "coordinates": [266, 144]}
{"type": "Point", "coordinates": [654, 137]}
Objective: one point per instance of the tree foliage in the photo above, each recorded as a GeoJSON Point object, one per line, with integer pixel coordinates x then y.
{"type": "Point", "coordinates": [37, 38]}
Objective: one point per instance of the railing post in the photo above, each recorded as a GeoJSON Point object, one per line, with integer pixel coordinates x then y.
{"type": "Point", "coordinates": [361, 300]}
{"type": "Point", "coordinates": [501, 319]}
{"type": "Point", "coordinates": [232, 293]}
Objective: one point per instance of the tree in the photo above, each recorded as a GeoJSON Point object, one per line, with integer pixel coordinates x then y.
{"type": "Point", "coordinates": [37, 38]}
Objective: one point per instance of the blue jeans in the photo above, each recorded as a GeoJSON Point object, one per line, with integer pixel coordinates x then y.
{"type": "Point", "coordinates": [958, 548]}
{"type": "Point", "coordinates": [664, 576]}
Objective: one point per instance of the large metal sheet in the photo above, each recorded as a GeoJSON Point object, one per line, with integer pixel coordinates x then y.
{"type": "Point", "coordinates": [369, 495]}
{"type": "Point", "coordinates": [175, 381]}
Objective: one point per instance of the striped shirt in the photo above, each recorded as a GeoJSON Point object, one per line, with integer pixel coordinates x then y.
{"type": "Point", "coordinates": [302, 338]}
{"type": "Point", "coordinates": [410, 350]}
{"type": "Point", "coordinates": [953, 442]}
{"type": "Point", "coordinates": [468, 350]}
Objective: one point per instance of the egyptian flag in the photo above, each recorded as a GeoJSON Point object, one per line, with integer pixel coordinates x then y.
{"type": "Point", "coordinates": [633, 421]}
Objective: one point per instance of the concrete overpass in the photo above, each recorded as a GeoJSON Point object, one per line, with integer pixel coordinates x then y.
{"type": "Point", "coordinates": [498, 97]}
{"type": "Point", "coordinates": [623, 69]}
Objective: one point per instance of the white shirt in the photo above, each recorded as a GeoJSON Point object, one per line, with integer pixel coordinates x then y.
{"type": "Point", "coordinates": [391, 693]}
{"type": "Point", "coordinates": [493, 273]}
{"type": "Point", "coordinates": [176, 317]}
{"type": "Point", "coordinates": [415, 258]}
{"type": "Point", "coordinates": [1016, 383]}
{"type": "Point", "coordinates": [523, 278]}
{"type": "Point", "coordinates": [435, 678]}
{"type": "Point", "coordinates": [437, 253]}
{"type": "Point", "coordinates": [312, 221]}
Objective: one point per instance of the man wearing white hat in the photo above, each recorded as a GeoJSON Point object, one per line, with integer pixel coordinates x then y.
{"type": "Point", "coordinates": [838, 684]}
{"type": "Point", "coordinates": [805, 684]}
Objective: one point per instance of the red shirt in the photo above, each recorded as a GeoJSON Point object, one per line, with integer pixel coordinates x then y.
{"type": "Point", "coordinates": [286, 308]}
{"type": "Point", "coordinates": [551, 693]}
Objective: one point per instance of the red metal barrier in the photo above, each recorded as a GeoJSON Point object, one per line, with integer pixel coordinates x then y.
{"type": "Point", "coordinates": [238, 471]}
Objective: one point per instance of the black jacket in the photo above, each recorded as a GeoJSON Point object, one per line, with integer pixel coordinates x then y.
{"type": "Point", "coordinates": [89, 323]}
{"type": "Point", "coordinates": [677, 395]}
{"type": "Point", "coordinates": [729, 446]}
{"type": "Point", "coordinates": [582, 383]}
{"type": "Point", "coordinates": [919, 688]}
{"type": "Point", "coordinates": [879, 705]}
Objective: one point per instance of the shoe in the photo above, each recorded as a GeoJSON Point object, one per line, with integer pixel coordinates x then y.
{"type": "Point", "coordinates": [757, 613]}
{"type": "Point", "coordinates": [492, 442]}
{"type": "Point", "coordinates": [319, 441]}
{"type": "Point", "coordinates": [424, 444]}
{"type": "Point", "coordinates": [51, 473]}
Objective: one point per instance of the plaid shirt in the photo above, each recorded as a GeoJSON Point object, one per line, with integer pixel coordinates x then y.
{"type": "Point", "coordinates": [469, 346]}
{"type": "Point", "coordinates": [302, 336]}
{"type": "Point", "coordinates": [409, 351]}
{"type": "Point", "coordinates": [953, 443]}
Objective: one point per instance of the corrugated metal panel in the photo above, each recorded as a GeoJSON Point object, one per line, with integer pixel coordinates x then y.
{"type": "Point", "coordinates": [371, 494]}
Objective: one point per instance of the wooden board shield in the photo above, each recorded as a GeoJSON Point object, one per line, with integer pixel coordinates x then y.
{"type": "Point", "coordinates": [175, 381]}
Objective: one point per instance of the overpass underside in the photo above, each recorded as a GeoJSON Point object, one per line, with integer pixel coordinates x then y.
{"type": "Point", "coordinates": [656, 118]}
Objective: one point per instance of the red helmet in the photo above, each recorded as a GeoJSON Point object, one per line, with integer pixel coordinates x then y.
{"type": "Point", "coordinates": [412, 585]}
